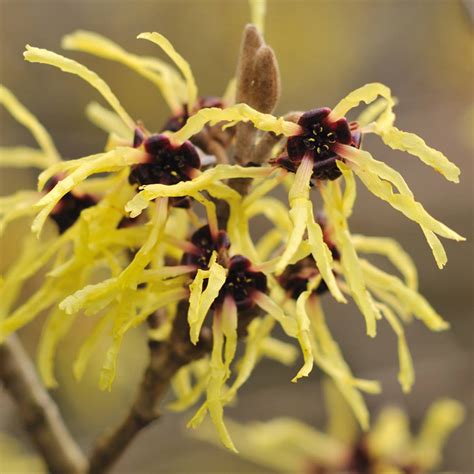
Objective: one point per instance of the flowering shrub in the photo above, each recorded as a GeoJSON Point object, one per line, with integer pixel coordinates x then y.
{"type": "Point", "coordinates": [207, 284]}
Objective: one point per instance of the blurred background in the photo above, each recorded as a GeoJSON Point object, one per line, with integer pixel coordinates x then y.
{"type": "Point", "coordinates": [422, 49]}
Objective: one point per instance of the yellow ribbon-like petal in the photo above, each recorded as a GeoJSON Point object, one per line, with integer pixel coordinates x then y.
{"type": "Point", "coordinates": [180, 62]}
{"type": "Point", "coordinates": [43, 56]}
{"type": "Point", "coordinates": [101, 46]}
{"type": "Point", "coordinates": [235, 113]}
{"type": "Point", "coordinates": [26, 118]}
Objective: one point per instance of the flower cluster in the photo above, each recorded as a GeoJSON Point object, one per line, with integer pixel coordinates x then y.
{"type": "Point", "coordinates": [289, 445]}
{"type": "Point", "coordinates": [137, 223]}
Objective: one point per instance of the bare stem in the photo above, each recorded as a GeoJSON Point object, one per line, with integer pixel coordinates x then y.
{"type": "Point", "coordinates": [166, 358]}
{"type": "Point", "coordinates": [38, 411]}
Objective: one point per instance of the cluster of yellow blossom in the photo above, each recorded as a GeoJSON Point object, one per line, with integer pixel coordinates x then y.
{"type": "Point", "coordinates": [130, 242]}
{"type": "Point", "coordinates": [289, 445]}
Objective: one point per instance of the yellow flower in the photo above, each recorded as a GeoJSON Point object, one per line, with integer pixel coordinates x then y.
{"type": "Point", "coordinates": [289, 445]}
{"type": "Point", "coordinates": [131, 243]}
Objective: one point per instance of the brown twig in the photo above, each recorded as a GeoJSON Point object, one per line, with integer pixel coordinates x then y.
{"type": "Point", "coordinates": [166, 358]}
{"type": "Point", "coordinates": [38, 411]}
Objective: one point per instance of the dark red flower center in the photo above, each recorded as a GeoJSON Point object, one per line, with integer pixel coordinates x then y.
{"type": "Point", "coordinates": [203, 245]}
{"type": "Point", "coordinates": [242, 283]}
{"type": "Point", "coordinates": [165, 163]}
{"type": "Point", "coordinates": [318, 139]}
{"type": "Point", "coordinates": [69, 208]}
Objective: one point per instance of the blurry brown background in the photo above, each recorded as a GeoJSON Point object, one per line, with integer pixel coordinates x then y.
{"type": "Point", "coordinates": [422, 49]}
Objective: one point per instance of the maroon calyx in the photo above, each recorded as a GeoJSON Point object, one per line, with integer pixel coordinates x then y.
{"type": "Point", "coordinates": [242, 283]}
{"type": "Point", "coordinates": [295, 278]}
{"type": "Point", "coordinates": [165, 163]}
{"type": "Point", "coordinates": [203, 245]}
{"type": "Point", "coordinates": [318, 139]}
{"type": "Point", "coordinates": [69, 208]}
{"type": "Point", "coordinates": [360, 461]}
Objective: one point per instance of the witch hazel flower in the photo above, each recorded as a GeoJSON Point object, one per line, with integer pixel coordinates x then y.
{"type": "Point", "coordinates": [120, 156]}
{"type": "Point", "coordinates": [291, 445]}
{"type": "Point", "coordinates": [319, 140]}
{"type": "Point", "coordinates": [230, 288]}
{"type": "Point", "coordinates": [165, 263]}
{"type": "Point", "coordinates": [76, 215]}
{"type": "Point", "coordinates": [36, 254]}
{"type": "Point", "coordinates": [176, 84]}
{"type": "Point", "coordinates": [396, 300]}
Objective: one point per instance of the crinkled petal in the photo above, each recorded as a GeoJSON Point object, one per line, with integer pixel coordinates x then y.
{"type": "Point", "coordinates": [411, 209]}
{"type": "Point", "coordinates": [406, 376]}
{"type": "Point", "coordinates": [303, 322]}
{"type": "Point", "coordinates": [43, 56]}
{"type": "Point", "coordinates": [288, 324]}
{"type": "Point", "coordinates": [201, 301]}
{"type": "Point", "coordinates": [257, 331]}
{"type": "Point", "coordinates": [367, 93]}
{"type": "Point", "coordinates": [300, 205]}
{"type": "Point", "coordinates": [26, 118]}
{"type": "Point", "coordinates": [98, 292]}
{"type": "Point", "coordinates": [416, 302]}
{"type": "Point", "coordinates": [372, 112]}
{"type": "Point", "coordinates": [322, 256]}
{"type": "Point", "coordinates": [108, 121]}
{"type": "Point", "coordinates": [348, 199]}
{"type": "Point", "coordinates": [328, 356]}
{"type": "Point", "coordinates": [54, 330]}
{"type": "Point", "coordinates": [349, 259]}
{"type": "Point", "coordinates": [413, 144]}
{"type": "Point", "coordinates": [235, 113]}
{"type": "Point", "coordinates": [391, 249]}
{"type": "Point", "coordinates": [180, 62]}
{"type": "Point", "coordinates": [188, 188]}
{"type": "Point", "coordinates": [436, 247]}
{"type": "Point", "coordinates": [107, 162]}
{"type": "Point", "coordinates": [101, 46]}
{"type": "Point", "coordinates": [216, 382]}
